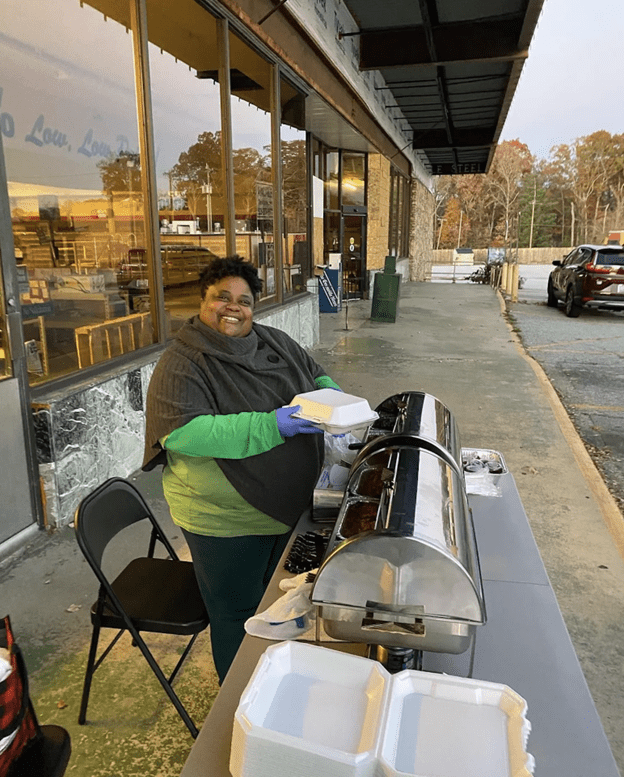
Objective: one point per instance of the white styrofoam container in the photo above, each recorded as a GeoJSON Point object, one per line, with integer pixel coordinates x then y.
{"type": "Point", "coordinates": [334, 411]}
{"type": "Point", "coordinates": [445, 726]}
{"type": "Point", "coordinates": [311, 711]}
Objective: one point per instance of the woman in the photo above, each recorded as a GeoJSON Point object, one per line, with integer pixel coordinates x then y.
{"type": "Point", "coordinates": [239, 469]}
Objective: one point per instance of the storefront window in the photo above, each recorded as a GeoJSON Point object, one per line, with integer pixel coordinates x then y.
{"type": "Point", "coordinates": [353, 179]}
{"type": "Point", "coordinates": [69, 126]}
{"type": "Point", "coordinates": [393, 248]}
{"type": "Point", "coordinates": [187, 141]}
{"type": "Point", "coordinates": [296, 250]}
{"type": "Point", "coordinates": [332, 179]}
{"type": "Point", "coordinates": [406, 218]}
{"type": "Point", "coordinates": [250, 84]}
{"type": "Point", "coordinates": [400, 219]}
{"type": "Point", "coordinates": [398, 231]}
{"type": "Point", "coordinates": [5, 361]}
{"type": "Point", "coordinates": [332, 242]}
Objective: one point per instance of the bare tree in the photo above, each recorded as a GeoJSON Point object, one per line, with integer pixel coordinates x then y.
{"type": "Point", "coordinates": [512, 161]}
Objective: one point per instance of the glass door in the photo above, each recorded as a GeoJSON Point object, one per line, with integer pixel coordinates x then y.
{"type": "Point", "coordinates": [354, 257]}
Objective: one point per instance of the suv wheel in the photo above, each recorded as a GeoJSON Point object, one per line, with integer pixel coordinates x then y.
{"type": "Point", "coordinates": [552, 300]}
{"type": "Point", "coordinates": [572, 310]}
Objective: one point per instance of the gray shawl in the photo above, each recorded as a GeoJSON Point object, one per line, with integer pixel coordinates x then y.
{"type": "Point", "coordinates": [204, 372]}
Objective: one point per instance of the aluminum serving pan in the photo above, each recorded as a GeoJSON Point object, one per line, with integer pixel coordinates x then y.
{"type": "Point", "coordinates": [403, 569]}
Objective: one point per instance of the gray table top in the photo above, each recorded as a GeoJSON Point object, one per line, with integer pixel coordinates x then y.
{"type": "Point", "coordinates": [524, 645]}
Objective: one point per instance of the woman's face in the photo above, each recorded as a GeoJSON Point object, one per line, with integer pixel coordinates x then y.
{"type": "Point", "coordinates": [227, 307]}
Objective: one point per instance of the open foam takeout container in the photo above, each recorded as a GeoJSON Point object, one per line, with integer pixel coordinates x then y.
{"type": "Point", "coordinates": [309, 711]}
{"type": "Point", "coordinates": [334, 411]}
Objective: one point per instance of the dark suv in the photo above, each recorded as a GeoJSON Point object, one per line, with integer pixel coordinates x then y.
{"type": "Point", "coordinates": [589, 276]}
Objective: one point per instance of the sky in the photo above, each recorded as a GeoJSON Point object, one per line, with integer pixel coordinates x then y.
{"type": "Point", "coordinates": [573, 81]}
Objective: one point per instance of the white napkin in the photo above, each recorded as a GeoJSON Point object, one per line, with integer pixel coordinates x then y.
{"type": "Point", "coordinates": [292, 616]}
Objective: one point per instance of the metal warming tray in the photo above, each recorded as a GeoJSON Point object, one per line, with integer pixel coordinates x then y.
{"type": "Point", "coordinates": [423, 416]}
{"type": "Point", "coordinates": [401, 568]}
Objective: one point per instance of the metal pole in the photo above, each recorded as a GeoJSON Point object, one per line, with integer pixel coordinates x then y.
{"type": "Point", "coordinates": [223, 38]}
{"type": "Point", "coordinates": [148, 168]}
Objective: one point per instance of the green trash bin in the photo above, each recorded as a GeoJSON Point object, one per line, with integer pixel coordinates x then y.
{"type": "Point", "coordinates": [386, 293]}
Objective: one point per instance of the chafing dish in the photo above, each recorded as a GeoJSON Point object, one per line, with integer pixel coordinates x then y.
{"type": "Point", "coordinates": [401, 567]}
{"type": "Point", "coordinates": [423, 416]}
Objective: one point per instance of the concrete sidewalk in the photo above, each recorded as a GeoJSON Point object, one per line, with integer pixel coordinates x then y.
{"type": "Point", "coordinates": [450, 340]}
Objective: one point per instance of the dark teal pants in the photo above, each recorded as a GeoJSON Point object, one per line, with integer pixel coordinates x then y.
{"type": "Point", "coordinates": [233, 573]}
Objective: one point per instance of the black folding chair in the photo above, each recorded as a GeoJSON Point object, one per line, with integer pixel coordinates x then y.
{"type": "Point", "coordinates": [149, 595]}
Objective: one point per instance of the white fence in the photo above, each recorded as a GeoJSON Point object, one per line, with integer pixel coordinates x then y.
{"type": "Point", "coordinates": [525, 255]}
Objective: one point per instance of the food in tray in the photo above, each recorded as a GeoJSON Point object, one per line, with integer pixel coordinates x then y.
{"type": "Point", "coordinates": [371, 481]}
{"type": "Point", "coordinates": [359, 517]}
{"type": "Point", "coordinates": [386, 421]}
{"type": "Point", "coordinates": [380, 459]}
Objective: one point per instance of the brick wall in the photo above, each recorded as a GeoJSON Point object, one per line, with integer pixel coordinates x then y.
{"type": "Point", "coordinates": [421, 231]}
{"type": "Point", "coordinates": [378, 211]}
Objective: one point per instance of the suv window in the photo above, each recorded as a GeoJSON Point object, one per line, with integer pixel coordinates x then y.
{"type": "Point", "coordinates": [572, 258]}
{"type": "Point", "coordinates": [610, 257]}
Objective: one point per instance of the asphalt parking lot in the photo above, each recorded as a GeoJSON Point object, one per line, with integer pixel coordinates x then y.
{"type": "Point", "coordinates": [584, 360]}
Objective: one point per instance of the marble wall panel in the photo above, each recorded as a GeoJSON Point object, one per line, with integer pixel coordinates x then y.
{"type": "Point", "coordinates": [96, 433]}
{"type": "Point", "coordinates": [309, 323]}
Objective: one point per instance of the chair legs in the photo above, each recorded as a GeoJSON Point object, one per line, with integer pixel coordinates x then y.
{"type": "Point", "coordinates": [166, 683]}
{"type": "Point", "coordinates": [86, 688]}
{"type": "Point", "coordinates": [92, 665]}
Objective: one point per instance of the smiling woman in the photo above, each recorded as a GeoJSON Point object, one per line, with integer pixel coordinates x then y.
{"type": "Point", "coordinates": [239, 469]}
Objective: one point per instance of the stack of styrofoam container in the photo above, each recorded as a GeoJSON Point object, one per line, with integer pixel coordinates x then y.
{"type": "Point", "coordinates": [311, 711]}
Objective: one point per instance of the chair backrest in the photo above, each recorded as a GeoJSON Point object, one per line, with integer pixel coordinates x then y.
{"type": "Point", "coordinates": [101, 515]}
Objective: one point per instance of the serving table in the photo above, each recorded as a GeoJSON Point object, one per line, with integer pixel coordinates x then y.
{"type": "Point", "coordinates": [524, 645]}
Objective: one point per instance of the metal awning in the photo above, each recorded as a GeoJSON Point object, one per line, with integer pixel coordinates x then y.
{"type": "Point", "coordinates": [451, 69]}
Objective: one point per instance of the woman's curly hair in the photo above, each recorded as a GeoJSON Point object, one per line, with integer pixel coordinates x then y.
{"type": "Point", "coordinates": [230, 267]}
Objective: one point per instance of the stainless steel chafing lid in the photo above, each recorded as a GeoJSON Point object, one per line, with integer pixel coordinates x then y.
{"type": "Point", "coordinates": [423, 560]}
{"type": "Point", "coordinates": [424, 416]}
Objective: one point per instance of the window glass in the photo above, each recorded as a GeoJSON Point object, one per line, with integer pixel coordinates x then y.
{"type": "Point", "coordinates": [69, 125]}
{"type": "Point", "coordinates": [5, 360]}
{"type": "Point", "coordinates": [393, 214]}
{"type": "Point", "coordinates": [250, 80]}
{"type": "Point", "coordinates": [406, 217]}
{"type": "Point", "coordinates": [317, 158]}
{"type": "Point", "coordinates": [353, 178]}
{"type": "Point", "coordinates": [187, 144]}
{"type": "Point", "coordinates": [296, 246]}
{"type": "Point", "coordinates": [331, 234]}
{"type": "Point", "coordinates": [399, 213]}
{"type": "Point", "coordinates": [572, 258]}
{"type": "Point", "coordinates": [610, 257]}
{"type": "Point", "coordinates": [332, 178]}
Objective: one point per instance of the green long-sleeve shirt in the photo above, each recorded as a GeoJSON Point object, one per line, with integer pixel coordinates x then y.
{"type": "Point", "coordinates": [200, 497]}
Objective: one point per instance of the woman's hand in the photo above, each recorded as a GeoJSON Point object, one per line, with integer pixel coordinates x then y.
{"type": "Point", "coordinates": [289, 426]}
